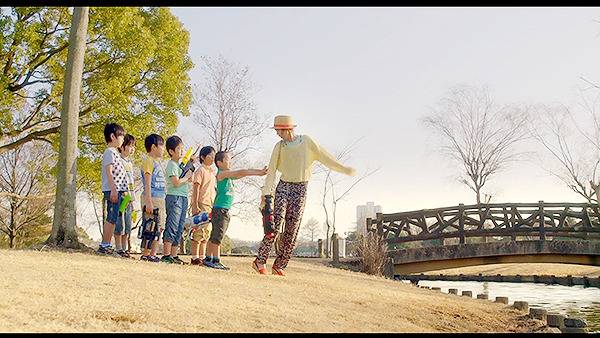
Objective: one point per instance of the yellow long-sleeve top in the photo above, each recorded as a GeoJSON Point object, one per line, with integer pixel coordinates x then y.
{"type": "Point", "coordinates": [294, 161]}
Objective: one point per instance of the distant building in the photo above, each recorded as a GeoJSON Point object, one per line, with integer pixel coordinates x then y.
{"type": "Point", "coordinates": [362, 213]}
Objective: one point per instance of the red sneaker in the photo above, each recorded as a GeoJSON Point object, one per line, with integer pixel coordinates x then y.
{"type": "Point", "coordinates": [261, 271]}
{"type": "Point", "coordinates": [277, 271]}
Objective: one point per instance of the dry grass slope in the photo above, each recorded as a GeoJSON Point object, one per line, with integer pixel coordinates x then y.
{"type": "Point", "coordinates": [74, 292]}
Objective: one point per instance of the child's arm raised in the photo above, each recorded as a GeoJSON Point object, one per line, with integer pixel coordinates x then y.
{"type": "Point", "coordinates": [241, 173]}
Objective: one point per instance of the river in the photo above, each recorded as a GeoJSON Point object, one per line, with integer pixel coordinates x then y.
{"type": "Point", "coordinates": [572, 301]}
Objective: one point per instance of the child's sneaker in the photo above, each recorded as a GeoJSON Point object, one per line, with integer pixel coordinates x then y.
{"type": "Point", "coordinates": [144, 258]}
{"type": "Point", "coordinates": [209, 263]}
{"type": "Point", "coordinates": [220, 265]}
{"type": "Point", "coordinates": [178, 260]}
{"type": "Point", "coordinates": [102, 250]}
{"type": "Point", "coordinates": [123, 254]}
{"type": "Point", "coordinates": [196, 261]}
{"type": "Point", "coordinates": [153, 259]}
{"type": "Point", "coordinates": [167, 259]}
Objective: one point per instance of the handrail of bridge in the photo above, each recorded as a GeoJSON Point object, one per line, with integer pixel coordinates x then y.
{"type": "Point", "coordinates": [576, 220]}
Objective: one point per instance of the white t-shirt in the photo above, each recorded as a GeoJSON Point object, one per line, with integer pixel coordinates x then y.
{"type": "Point", "coordinates": [112, 156]}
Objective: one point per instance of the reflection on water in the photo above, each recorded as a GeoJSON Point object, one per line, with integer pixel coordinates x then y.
{"type": "Point", "coordinates": [573, 301]}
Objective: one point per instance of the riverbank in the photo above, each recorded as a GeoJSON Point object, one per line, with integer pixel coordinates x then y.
{"type": "Point", "coordinates": [523, 269]}
{"type": "Point", "coordinates": [74, 292]}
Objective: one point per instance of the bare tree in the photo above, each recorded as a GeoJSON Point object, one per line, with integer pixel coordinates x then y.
{"type": "Point", "coordinates": [225, 108]}
{"type": "Point", "coordinates": [478, 133]}
{"type": "Point", "coordinates": [65, 220]}
{"type": "Point", "coordinates": [225, 112]}
{"type": "Point", "coordinates": [311, 228]}
{"type": "Point", "coordinates": [335, 190]}
{"type": "Point", "coordinates": [574, 151]}
{"type": "Point", "coordinates": [26, 185]}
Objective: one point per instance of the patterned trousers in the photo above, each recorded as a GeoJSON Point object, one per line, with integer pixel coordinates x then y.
{"type": "Point", "coordinates": [289, 206]}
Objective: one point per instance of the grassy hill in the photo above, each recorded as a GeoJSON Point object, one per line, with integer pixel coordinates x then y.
{"type": "Point", "coordinates": [76, 292]}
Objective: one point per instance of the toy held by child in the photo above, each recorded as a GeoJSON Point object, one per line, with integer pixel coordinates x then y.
{"type": "Point", "coordinates": [268, 219]}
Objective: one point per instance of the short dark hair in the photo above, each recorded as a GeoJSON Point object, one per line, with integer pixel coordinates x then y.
{"type": "Point", "coordinates": [128, 140]}
{"type": "Point", "coordinates": [204, 152]}
{"type": "Point", "coordinates": [173, 142]}
{"type": "Point", "coordinates": [153, 139]}
{"type": "Point", "coordinates": [219, 156]}
{"type": "Point", "coordinates": [112, 128]}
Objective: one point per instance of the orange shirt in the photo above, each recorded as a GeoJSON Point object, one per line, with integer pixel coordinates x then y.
{"type": "Point", "coordinates": [206, 177]}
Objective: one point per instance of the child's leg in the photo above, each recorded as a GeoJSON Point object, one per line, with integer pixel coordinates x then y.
{"type": "Point", "coordinates": [159, 203]}
{"type": "Point", "coordinates": [182, 202]}
{"type": "Point", "coordinates": [128, 222]}
{"type": "Point", "coordinates": [220, 223]}
{"type": "Point", "coordinates": [118, 242]}
{"type": "Point", "coordinates": [201, 250]}
{"type": "Point", "coordinates": [112, 214]}
{"type": "Point", "coordinates": [107, 232]}
{"type": "Point", "coordinates": [154, 248]}
{"type": "Point", "coordinates": [172, 224]}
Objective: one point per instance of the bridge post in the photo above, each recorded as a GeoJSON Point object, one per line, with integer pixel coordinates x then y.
{"type": "Point", "coordinates": [461, 223]}
{"type": "Point", "coordinates": [513, 225]}
{"type": "Point", "coordinates": [541, 222]}
{"type": "Point", "coordinates": [369, 222]}
{"type": "Point", "coordinates": [379, 224]}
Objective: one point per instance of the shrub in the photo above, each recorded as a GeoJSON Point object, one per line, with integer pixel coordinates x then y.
{"type": "Point", "coordinates": [372, 249]}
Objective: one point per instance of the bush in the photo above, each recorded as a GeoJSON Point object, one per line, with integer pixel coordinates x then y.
{"type": "Point", "coordinates": [373, 251]}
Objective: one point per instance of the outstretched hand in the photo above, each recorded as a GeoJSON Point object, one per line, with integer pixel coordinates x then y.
{"type": "Point", "coordinates": [351, 171]}
{"type": "Point", "coordinates": [263, 171]}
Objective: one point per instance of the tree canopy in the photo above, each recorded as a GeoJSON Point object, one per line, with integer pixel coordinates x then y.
{"type": "Point", "coordinates": [135, 74]}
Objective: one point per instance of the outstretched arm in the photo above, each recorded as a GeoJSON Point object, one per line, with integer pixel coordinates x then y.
{"type": "Point", "coordinates": [321, 155]}
{"type": "Point", "coordinates": [241, 173]}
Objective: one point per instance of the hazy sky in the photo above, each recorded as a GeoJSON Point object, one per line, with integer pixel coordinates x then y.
{"type": "Point", "coordinates": [345, 73]}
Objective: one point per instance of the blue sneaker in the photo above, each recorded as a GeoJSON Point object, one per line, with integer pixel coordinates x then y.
{"type": "Point", "coordinates": [220, 265]}
{"type": "Point", "coordinates": [208, 262]}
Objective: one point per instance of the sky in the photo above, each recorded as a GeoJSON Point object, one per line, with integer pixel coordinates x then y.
{"type": "Point", "coordinates": [372, 73]}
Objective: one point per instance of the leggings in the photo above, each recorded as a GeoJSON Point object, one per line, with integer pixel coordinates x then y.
{"type": "Point", "coordinates": [289, 205]}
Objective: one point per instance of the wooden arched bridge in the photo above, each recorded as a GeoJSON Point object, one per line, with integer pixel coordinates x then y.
{"type": "Point", "coordinates": [466, 235]}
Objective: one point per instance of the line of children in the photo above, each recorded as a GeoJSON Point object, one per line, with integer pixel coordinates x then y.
{"type": "Point", "coordinates": [166, 193]}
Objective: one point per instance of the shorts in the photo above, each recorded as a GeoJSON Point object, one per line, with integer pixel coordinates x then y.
{"type": "Point", "coordinates": [111, 211]}
{"type": "Point", "coordinates": [220, 222]}
{"type": "Point", "coordinates": [158, 203]}
{"type": "Point", "coordinates": [176, 207]}
{"type": "Point", "coordinates": [126, 217]}
{"type": "Point", "coordinates": [202, 235]}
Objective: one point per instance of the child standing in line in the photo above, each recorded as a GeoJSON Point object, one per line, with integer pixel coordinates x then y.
{"type": "Point", "coordinates": [153, 195]}
{"type": "Point", "coordinates": [176, 201]}
{"type": "Point", "coordinates": [123, 226]}
{"type": "Point", "coordinates": [203, 195]}
{"type": "Point", "coordinates": [114, 183]}
{"type": "Point", "coordinates": [222, 204]}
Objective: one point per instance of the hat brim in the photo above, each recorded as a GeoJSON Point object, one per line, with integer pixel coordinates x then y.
{"type": "Point", "coordinates": [285, 128]}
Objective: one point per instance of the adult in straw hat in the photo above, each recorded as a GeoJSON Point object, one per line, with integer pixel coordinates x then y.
{"type": "Point", "coordinates": [293, 157]}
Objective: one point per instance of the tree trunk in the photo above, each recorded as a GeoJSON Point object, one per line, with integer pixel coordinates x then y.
{"type": "Point", "coordinates": [65, 218]}
{"type": "Point", "coordinates": [327, 241]}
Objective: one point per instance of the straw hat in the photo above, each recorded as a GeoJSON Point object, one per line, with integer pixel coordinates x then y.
{"type": "Point", "coordinates": [283, 122]}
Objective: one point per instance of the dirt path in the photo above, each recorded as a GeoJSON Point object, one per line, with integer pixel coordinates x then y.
{"type": "Point", "coordinates": [62, 292]}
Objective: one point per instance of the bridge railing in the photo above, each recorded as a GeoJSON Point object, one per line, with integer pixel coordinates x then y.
{"type": "Point", "coordinates": [541, 220]}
